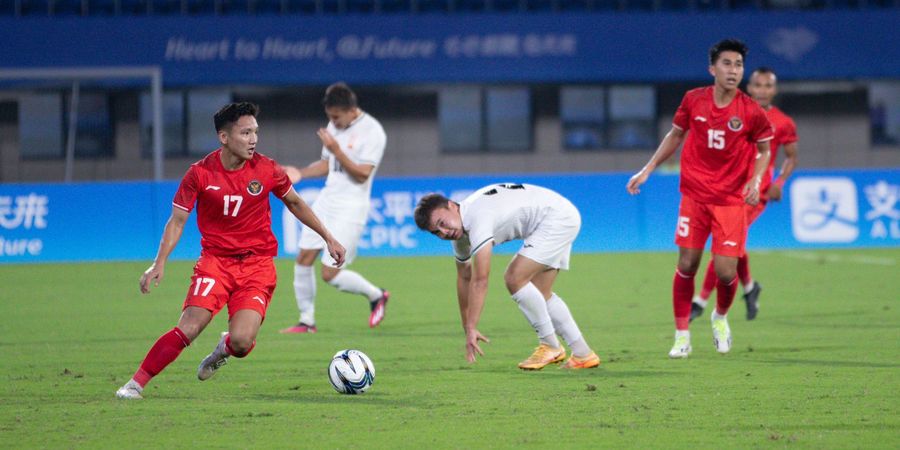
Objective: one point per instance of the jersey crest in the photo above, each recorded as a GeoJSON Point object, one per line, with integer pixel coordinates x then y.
{"type": "Point", "coordinates": [735, 123]}
{"type": "Point", "coordinates": [254, 187]}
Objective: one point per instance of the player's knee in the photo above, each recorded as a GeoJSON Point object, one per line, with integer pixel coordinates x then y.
{"type": "Point", "coordinates": [514, 282]}
{"type": "Point", "coordinates": [687, 264]}
{"type": "Point", "coordinates": [329, 274]}
{"type": "Point", "coordinates": [725, 274]}
{"type": "Point", "coordinates": [241, 346]}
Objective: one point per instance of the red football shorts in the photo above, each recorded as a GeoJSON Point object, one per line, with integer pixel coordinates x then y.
{"type": "Point", "coordinates": [728, 225]}
{"type": "Point", "coordinates": [245, 282]}
{"type": "Point", "coordinates": [753, 212]}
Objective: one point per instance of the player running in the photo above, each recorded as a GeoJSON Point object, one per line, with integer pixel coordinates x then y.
{"type": "Point", "coordinates": [723, 131]}
{"type": "Point", "coordinates": [352, 147]}
{"type": "Point", "coordinates": [230, 188]}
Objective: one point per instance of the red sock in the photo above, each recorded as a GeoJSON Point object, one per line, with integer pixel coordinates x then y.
{"type": "Point", "coordinates": [725, 291]}
{"type": "Point", "coordinates": [682, 293]}
{"type": "Point", "coordinates": [231, 351]}
{"type": "Point", "coordinates": [163, 352]}
{"type": "Point", "coordinates": [709, 281]}
{"type": "Point", "coordinates": [743, 269]}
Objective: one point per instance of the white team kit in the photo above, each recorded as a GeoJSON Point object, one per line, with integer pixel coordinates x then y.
{"type": "Point", "coordinates": [546, 221]}
{"type": "Point", "coordinates": [343, 204]}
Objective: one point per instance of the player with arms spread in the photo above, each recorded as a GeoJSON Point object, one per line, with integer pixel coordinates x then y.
{"type": "Point", "coordinates": [763, 87]}
{"type": "Point", "coordinates": [230, 188]}
{"type": "Point", "coordinates": [352, 147]}
{"type": "Point", "coordinates": [548, 224]}
{"type": "Point", "coordinates": [723, 131]}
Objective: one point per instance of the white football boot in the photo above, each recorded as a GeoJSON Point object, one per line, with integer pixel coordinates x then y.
{"type": "Point", "coordinates": [131, 390]}
{"type": "Point", "coordinates": [721, 333]}
{"type": "Point", "coordinates": [212, 362]}
{"type": "Point", "coordinates": [682, 347]}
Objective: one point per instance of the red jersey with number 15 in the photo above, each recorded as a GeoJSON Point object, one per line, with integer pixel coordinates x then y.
{"type": "Point", "coordinates": [233, 212]}
{"type": "Point", "coordinates": [720, 143]}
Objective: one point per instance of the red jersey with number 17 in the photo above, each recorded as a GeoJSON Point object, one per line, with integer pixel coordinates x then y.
{"type": "Point", "coordinates": [720, 143]}
{"type": "Point", "coordinates": [233, 212]}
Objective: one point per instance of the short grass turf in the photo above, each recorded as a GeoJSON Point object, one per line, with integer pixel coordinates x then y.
{"type": "Point", "coordinates": [817, 369]}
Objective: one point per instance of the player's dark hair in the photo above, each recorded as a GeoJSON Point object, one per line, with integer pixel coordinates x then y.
{"type": "Point", "coordinates": [426, 206]}
{"type": "Point", "coordinates": [764, 70]}
{"type": "Point", "coordinates": [727, 45]}
{"type": "Point", "coordinates": [339, 95]}
{"type": "Point", "coordinates": [230, 113]}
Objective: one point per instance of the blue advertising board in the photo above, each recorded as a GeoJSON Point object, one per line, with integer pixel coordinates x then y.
{"type": "Point", "coordinates": [124, 221]}
{"type": "Point", "coordinates": [393, 49]}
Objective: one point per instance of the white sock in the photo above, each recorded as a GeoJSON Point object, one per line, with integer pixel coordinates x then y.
{"type": "Point", "coordinates": [565, 325]}
{"type": "Point", "coordinates": [305, 293]}
{"type": "Point", "coordinates": [749, 286]}
{"type": "Point", "coordinates": [717, 316]}
{"type": "Point", "coordinates": [532, 304]}
{"type": "Point", "coordinates": [350, 281]}
{"type": "Point", "coordinates": [700, 301]}
{"type": "Point", "coordinates": [686, 333]}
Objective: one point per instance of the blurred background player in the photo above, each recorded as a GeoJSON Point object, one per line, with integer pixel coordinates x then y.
{"type": "Point", "coordinates": [725, 131]}
{"type": "Point", "coordinates": [352, 147]}
{"type": "Point", "coordinates": [763, 87]}
{"type": "Point", "coordinates": [230, 188]}
{"type": "Point", "coordinates": [548, 224]}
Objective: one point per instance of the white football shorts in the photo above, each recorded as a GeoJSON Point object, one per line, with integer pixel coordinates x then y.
{"type": "Point", "coordinates": [551, 243]}
{"type": "Point", "coordinates": [346, 229]}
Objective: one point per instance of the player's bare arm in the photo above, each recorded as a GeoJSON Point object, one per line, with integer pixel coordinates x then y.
{"type": "Point", "coordinates": [305, 215]}
{"type": "Point", "coordinates": [787, 168]}
{"type": "Point", "coordinates": [359, 172]}
{"type": "Point", "coordinates": [463, 278]}
{"type": "Point", "coordinates": [751, 189]}
{"type": "Point", "coordinates": [481, 270]}
{"type": "Point", "coordinates": [316, 169]}
{"type": "Point", "coordinates": [171, 236]}
{"type": "Point", "coordinates": [666, 148]}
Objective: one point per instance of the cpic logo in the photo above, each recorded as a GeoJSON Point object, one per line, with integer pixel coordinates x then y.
{"type": "Point", "coordinates": [824, 210]}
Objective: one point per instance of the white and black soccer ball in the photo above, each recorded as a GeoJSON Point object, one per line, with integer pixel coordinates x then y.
{"type": "Point", "coordinates": [351, 372]}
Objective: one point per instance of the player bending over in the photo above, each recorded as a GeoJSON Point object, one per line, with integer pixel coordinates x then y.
{"type": "Point", "coordinates": [548, 224]}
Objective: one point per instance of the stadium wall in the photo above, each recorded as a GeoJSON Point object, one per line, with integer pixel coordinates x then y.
{"type": "Point", "coordinates": [828, 139]}
{"type": "Point", "coordinates": [123, 221]}
{"type": "Point", "coordinates": [402, 49]}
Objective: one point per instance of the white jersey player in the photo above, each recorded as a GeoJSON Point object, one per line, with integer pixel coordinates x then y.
{"type": "Point", "coordinates": [548, 224]}
{"type": "Point", "coordinates": [352, 147]}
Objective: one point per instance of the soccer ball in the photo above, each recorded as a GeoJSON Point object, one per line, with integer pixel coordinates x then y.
{"type": "Point", "coordinates": [351, 372]}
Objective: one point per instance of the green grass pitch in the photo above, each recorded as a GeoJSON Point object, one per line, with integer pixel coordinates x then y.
{"type": "Point", "coordinates": [817, 369]}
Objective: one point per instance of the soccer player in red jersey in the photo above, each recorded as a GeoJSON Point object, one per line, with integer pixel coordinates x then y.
{"type": "Point", "coordinates": [763, 87]}
{"type": "Point", "coordinates": [723, 130]}
{"type": "Point", "coordinates": [230, 188]}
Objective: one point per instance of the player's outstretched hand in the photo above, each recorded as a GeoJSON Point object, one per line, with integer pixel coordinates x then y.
{"type": "Point", "coordinates": [154, 275]}
{"type": "Point", "coordinates": [327, 139]}
{"type": "Point", "coordinates": [634, 184]}
{"type": "Point", "coordinates": [337, 251]}
{"type": "Point", "coordinates": [472, 347]}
